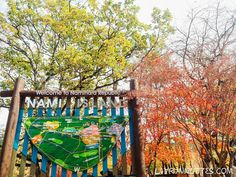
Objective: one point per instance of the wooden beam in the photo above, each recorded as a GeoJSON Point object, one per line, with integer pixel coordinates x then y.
{"type": "Point", "coordinates": [6, 93]}
{"type": "Point", "coordinates": [7, 148]}
{"type": "Point", "coordinates": [63, 93]}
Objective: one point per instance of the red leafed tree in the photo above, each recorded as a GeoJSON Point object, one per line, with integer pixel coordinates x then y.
{"type": "Point", "coordinates": [206, 110]}
{"type": "Point", "coordinates": [176, 108]}
{"type": "Point", "coordinates": [160, 133]}
{"type": "Point", "coordinates": [204, 99]}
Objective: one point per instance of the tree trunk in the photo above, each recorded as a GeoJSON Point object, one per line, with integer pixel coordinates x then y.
{"type": "Point", "coordinates": [206, 165]}
{"type": "Point", "coordinates": [163, 167]}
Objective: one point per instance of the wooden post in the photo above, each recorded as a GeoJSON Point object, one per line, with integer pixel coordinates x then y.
{"type": "Point", "coordinates": [137, 146]}
{"type": "Point", "coordinates": [7, 147]}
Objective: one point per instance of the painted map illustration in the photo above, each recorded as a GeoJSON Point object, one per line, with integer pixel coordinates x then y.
{"type": "Point", "coordinates": [75, 143]}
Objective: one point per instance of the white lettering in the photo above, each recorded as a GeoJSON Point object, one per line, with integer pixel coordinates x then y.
{"type": "Point", "coordinates": [41, 103]}
{"type": "Point", "coordinates": [30, 102]}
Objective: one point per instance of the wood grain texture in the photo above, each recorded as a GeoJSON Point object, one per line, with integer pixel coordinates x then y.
{"type": "Point", "coordinates": [136, 147]}
{"type": "Point", "coordinates": [12, 164]}
{"type": "Point", "coordinates": [7, 148]}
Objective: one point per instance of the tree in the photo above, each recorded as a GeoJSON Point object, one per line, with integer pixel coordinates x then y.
{"type": "Point", "coordinates": [67, 45]}
{"type": "Point", "coordinates": [210, 35]}
{"type": "Point", "coordinates": [206, 96]}
{"type": "Point", "coordinates": [200, 110]}
{"type": "Point", "coordinates": [206, 111]}
{"type": "Point", "coordinates": [162, 137]}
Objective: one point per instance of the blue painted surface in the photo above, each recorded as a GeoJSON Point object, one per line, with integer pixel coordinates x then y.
{"type": "Point", "coordinates": [114, 156]}
{"type": "Point", "coordinates": [54, 169]}
{"type": "Point", "coordinates": [123, 140]}
{"type": "Point", "coordinates": [95, 171]}
{"type": "Point", "coordinates": [131, 127]}
{"type": "Point", "coordinates": [40, 112]}
{"type": "Point", "coordinates": [104, 162]}
{"type": "Point", "coordinates": [74, 174]}
{"type": "Point", "coordinates": [64, 172]}
{"type": "Point", "coordinates": [30, 112]}
{"type": "Point", "coordinates": [25, 145]}
{"type": "Point", "coordinates": [104, 111]}
{"type": "Point", "coordinates": [34, 155]}
{"type": "Point", "coordinates": [44, 164]}
{"type": "Point", "coordinates": [95, 168]}
{"type": "Point", "coordinates": [68, 111]}
{"type": "Point", "coordinates": [58, 111]}
{"type": "Point", "coordinates": [113, 112]}
{"type": "Point", "coordinates": [85, 173]}
{"type": "Point", "coordinates": [95, 111]}
{"type": "Point", "coordinates": [77, 112]}
{"type": "Point", "coordinates": [123, 143]}
{"type": "Point", "coordinates": [26, 138]}
{"type": "Point", "coordinates": [49, 111]}
{"type": "Point", "coordinates": [104, 165]}
{"type": "Point", "coordinates": [18, 129]}
{"type": "Point", "coordinates": [35, 151]}
{"type": "Point", "coordinates": [86, 111]}
{"type": "Point", "coordinates": [122, 111]}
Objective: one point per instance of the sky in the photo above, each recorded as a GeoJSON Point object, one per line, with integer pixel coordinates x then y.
{"type": "Point", "coordinates": [178, 8]}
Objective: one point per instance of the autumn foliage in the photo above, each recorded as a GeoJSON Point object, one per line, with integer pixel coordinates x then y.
{"type": "Point", "coordinates": [181, 114]}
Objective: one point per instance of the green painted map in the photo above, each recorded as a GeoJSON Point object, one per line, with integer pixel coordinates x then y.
{"type": "Point", "coordinates": [73, 143]}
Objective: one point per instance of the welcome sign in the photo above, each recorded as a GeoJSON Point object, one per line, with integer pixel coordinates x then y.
{"type": "Point", "coordinates": [82, 102]}
{"type": "Point", "coordinates": [75, 143]}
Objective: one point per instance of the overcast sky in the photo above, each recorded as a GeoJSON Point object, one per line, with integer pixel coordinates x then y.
{"type": "Point", "coordinates": [178, 8]}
